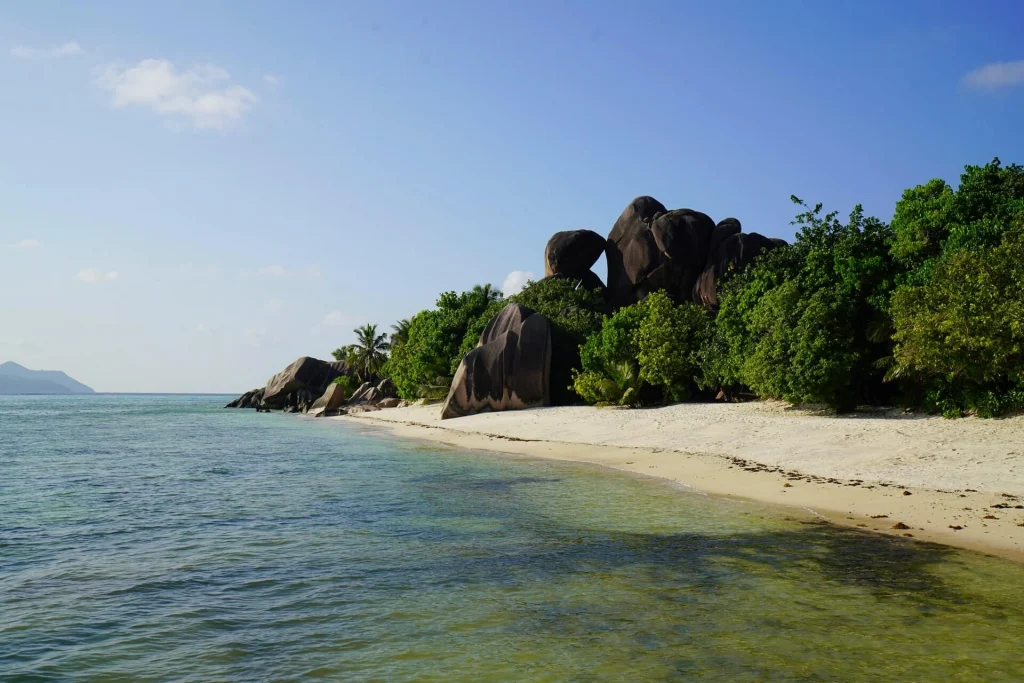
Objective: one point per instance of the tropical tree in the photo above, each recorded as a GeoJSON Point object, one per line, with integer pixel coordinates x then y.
{"type": "Point", "coordinates": [368, 355]}
{"type": "Point", "coordinates": [400, 332]}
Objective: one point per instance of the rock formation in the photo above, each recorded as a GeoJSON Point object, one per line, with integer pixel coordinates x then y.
{"type": "Point", "coordinates": [330, 403]}
{"type": "Point", "coordinates": [509, 369]}
{"type": "Point", "coordinates": [571, 254]}
{"type": "Point", "coordinates": [295, 388]}
{"type": "Point", "coordinates": [731, 255]}
{"type": "Point", "coordinates": [651, 248]}
{"type": "Point", "coordinates": [250, 399]}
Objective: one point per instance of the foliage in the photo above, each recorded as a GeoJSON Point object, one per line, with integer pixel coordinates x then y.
{"type": "Point", "coordinates": [963, 330]}
{"type": "Point", "coordinates": [653, 343]}
{"type": "Point", "coordinates": [369, 353]}
{"type": "Point", "coordinates": [399, 332]}
{"type": "Point", "coordinates": [957, 313]}
{"type": "Point", "coordinates": [808, 322]}
{"type": "Point", "coordinates": [434, 339]}
{"type": "Point", "coordinates": [349, 383]}
{"type": "Point", "coordinates": [933, 219]}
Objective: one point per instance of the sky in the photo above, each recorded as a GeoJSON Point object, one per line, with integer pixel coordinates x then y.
{"type": "Point", "coordinates": [194, 194]}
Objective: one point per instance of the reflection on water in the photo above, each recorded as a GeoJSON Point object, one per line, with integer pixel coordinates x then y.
{"type": "Point", "coordinates": [190, 543]}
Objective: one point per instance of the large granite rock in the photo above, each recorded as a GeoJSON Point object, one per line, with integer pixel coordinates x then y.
{"type": "Point", "coordinates": [302, 382]}
{"type": "Point", "coordinates": [572, 252]}
{"type": "Point", "coordinates": [730, 256]}
{"type": "Point", "coordinates": [650, 248]}
{"type": "Point", "coordinates": [250, 399]}
{"type": "Point", "coordinates": [508, 370]}
{"type": "Point", "coordinates": [330, 403]}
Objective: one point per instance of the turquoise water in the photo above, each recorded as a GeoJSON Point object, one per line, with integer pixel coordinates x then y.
{"type": "Point", "coordinates": [161, 538]}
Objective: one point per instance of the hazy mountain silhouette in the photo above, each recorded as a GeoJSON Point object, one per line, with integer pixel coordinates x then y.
{"type": "Point", "coordinates": [17, 379]}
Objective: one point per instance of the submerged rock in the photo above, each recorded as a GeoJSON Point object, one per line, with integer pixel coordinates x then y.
{"type": "Point", "coordinates": [508, 370]}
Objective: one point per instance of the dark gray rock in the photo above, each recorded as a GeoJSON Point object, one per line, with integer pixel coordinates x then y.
{"type": "Point", "coordinates": [650, 248]}
{"type": "Point", "coordinates": [360, 393]}
{"type": "Point", "coordinates": [732, 255]}
{"type": "Point", "coordinates": [509, 369]}
{"type": "Point", "coordinates": [330, 403]}
{"type": "Point", "coordinates": [572, 252]}
{"type": "Point", "coordinates": [303, 381]}
{"type": "Point", "coordinates": [392, 402]}
{"type": "Point", "coordinates": [386, 388]}
{"type": "Point", "coordinates": [250, 399]}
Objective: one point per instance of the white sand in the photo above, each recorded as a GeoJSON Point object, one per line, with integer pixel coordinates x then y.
{"type": "Point", "coordinates": [956, 470]}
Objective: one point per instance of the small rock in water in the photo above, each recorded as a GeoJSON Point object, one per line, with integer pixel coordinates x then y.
{"type": "Point", "coordinates": [990, 517]}
{"type": "Point", "coordinates": [787, 485]}
{"type": "Point", "coordinates": [879, 516]}
{"type": "Point", "coordinates": [906, 493]}
{"type": "Point", "coordinates": [909, 535]}
{"type": "Point", "coordinates": [955, 528]}
{"type": "Point", "coordinates": [900, 525]}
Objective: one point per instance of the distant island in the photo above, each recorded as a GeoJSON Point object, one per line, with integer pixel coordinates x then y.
{"type": "Point", "coordinates": [17, 379]}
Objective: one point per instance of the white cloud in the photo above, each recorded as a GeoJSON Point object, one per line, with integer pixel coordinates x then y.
{"type": "Point", "coordinates": [201, 94]}
{"type": "Point", "coordinates": [515, 281]}
{"type": "Point", "coordinates": [996, 75]}
{"type": "Point", "coordinates": [65, 50]}
{"type": "Point", "coordinates": [93, 276]}
{"type": "Point", "coordinates": [271, 80]}
{"type": "Point", "coordinates": [26, 244]}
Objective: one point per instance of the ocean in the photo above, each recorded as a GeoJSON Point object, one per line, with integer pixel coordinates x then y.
{"type": "Point", "coordinates": [163, 538]}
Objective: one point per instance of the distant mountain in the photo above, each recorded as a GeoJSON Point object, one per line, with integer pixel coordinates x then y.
{"type": "Point", "coordinates": [17, 379]}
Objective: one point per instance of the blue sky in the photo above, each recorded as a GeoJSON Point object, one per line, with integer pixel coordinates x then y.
{"type": "Point", "coordinates": [193, 194]}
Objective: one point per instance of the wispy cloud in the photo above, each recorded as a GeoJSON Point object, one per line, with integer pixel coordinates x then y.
{"type": "Point", "coordinates": [201, 95]}
{"type": "Point", "coordinates": [25, 244]}
{"type": "Point", "coordinates": [66, 50]}
{"type": "Point", "coordinates": [996, 76]}
{"type": "Point", "coordinates": [515, 281]}
{"type": "Point", "coordinates": [271, 79]}
{"type": "Point", "coordinates": [94, 276]}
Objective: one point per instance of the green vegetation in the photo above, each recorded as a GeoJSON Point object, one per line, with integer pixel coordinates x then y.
{"type": "Point", "coordinates": [649, 348]}
{"type": "Point", "coordinates": [925, 312]}
{"type": "Point", "coordinates": [808, 322]}
{"type": "Point", "coordinates": [367, 356]}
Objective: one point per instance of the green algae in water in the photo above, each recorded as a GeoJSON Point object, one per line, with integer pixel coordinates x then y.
{"type": "Point", "coordinates": [190, 543]}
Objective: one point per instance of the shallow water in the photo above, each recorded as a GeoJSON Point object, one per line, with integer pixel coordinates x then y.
{"type": "Point", "coordinates": [154, 538]}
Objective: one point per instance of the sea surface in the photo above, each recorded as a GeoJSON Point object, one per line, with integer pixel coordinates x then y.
{"type": "Point", "coordinates": [162, 538]}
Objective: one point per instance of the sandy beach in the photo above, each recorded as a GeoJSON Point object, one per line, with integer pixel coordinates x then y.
{"type": "Point", "coordinates": [955, 482]}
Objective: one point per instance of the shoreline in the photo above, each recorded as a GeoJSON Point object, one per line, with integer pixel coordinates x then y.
{"type": "Point", "coordinates": [882, 473]}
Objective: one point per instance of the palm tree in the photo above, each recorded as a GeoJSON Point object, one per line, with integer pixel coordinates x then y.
{"type": "Point", "coordinates": [487, 292]}
{"type": "Point", "coordinates": [369, 352]}
{"type": "Point", "coordinates": [401, 332]}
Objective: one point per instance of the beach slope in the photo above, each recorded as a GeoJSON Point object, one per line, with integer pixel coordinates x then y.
{"type": "Point", "coordinates": [956, 482]}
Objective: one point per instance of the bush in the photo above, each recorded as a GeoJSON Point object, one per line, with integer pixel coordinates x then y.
{"type": "Point", "coordinates": [434, 340]}
{"type": "Point", "coordinates": [349, 383]}
{"type": "Point", "coordinates": [957, 312]}
{"type": "Point", "coordinates": [962, 331]}
{"type": "Point", "coordinates": [808, 322]}
{"type": "Point", "coordinates": [652, 344]}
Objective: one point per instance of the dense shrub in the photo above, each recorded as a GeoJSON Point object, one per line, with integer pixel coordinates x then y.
{"type": "Point", "coordinates": [957, 316]}
{"type": "Point", "coordinates": [434, 338]}
{"type": "Point", "coordinates": [808, 322]}
{"type": "Point", "coordinates": [962, 331]}
{"type": "Point", "coordinates": [652, 344]}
